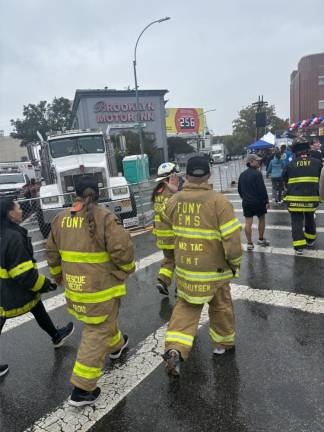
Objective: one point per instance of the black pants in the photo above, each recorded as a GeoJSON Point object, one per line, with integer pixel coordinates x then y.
{"type": "Point", "coordinates": [301, 237]}
{"type": "Point", "coordinates": [43, 320]}
{"type": "Point", "coordinates": [277, 188]}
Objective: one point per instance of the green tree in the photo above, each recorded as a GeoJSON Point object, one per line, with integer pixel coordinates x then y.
{"type": "Point", "coordinates": [178, 145]}
{"type": "Point", "coordinates": [244, 127]}
{"type": "Point", "coordinates": [43, 117]}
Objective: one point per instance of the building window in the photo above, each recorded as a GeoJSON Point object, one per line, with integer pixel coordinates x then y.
{"type": "Point", "coordinates": [321, 104]}
{"type": "Point", "coordinates": [321, 80]}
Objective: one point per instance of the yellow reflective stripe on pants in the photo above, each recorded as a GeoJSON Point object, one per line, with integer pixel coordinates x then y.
{"type": "Point", "coordinates": [194, 299]}
{"type": "Point", "coordinates": [88, 319]}
{"type": "Point", "coordinates": [310, 236]}
{"type": "Point", "coordinates": [127, 267]}
{"type": "Point", "coordinates": [86, 372]}
{"type": "Point", "coordinates": [96, 297]}
{"type": "Point", "coordinates": [157, 218]}
{"type": "Point", "coordinates": [193, 233]}
{"type": "Point", "coordinates": [182, 338]}
{"type": "Point", "coordinates": [85, 257]}
{"type": "Point", "coordinates": [235, 261]}
{"type": "Point", "coordinates": [217, 338]}
{"type": "Point", "coordinates": [166, 272]}
{"type": "Point", "coordinates": [115, 340]}
{"type": "Point", "coordinates": [39, 283]}
{"type": "Point", "coordinates": [55, 270]}
{"type": "Point", "coordinates": [21, 268]}
{"type": "Point", "coordinates": [301, 198]}
{"type": "Point", "coordinates": [302, 209]}
{"type": "Point", "coordinates": [164, 246]}
{"type": "Point", "coordinates": [203, 276]}
{"type": "Point", "coordinates": [229, 227]}
{"type": "Point", "coordinates": [299, 243]}
{"type": "Point", "coordinates": [163, 233]}
{"type": "Point", "coordinates": [303, 180]}
{"type": "Point", "coordinates": [19, 311]}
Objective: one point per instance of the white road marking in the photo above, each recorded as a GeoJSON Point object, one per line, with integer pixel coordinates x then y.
{"type": "Point", "coordinates": [37, 243]}
{"type": "Point", "coordinates": [117, 383]}
{"type": "Point", "coordinates": [33, 230]}
{"type": "Point", "coordinates": [285, 228]}
{"type": "Point", "coordinates": [59, 300]}
{"type": "Point", "coordinates": [308, 253]}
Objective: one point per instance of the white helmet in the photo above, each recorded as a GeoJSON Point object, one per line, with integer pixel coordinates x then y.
{"type": "Point", "coordinates": [166, 169]}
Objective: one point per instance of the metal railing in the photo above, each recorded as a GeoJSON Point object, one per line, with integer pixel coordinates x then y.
{"type": "Point", "coordinates": [134, 212]}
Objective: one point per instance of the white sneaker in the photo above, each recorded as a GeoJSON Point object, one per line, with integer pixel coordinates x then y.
{"type": "Point", "coordinates": [250, 246]}
{"type": "Point", "coordinates": [219, 351]}
{"type": "Point", "coordinates": [263, 242]}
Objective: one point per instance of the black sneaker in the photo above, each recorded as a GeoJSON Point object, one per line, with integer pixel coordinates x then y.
{"type": "Point", "coordinates": [62, 334]}
{"type": "Point", "coordinates": [162, 288]}
{"type": "Point", "coordinates": [116, 354]}
{"type": "Point", "coordinates": [299, 252]}
{"type": "Point", "coordinates": [173, 359]}
{"type": "Point", "coordinates": [80, 398]}
{"type": "Point", "coordinates": [311, 243]}
{"type": "Point", "coordinates": [4, 369]}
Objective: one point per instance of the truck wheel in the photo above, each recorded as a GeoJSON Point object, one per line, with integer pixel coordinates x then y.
{"type": "Point", "coordinates": [44, 228]}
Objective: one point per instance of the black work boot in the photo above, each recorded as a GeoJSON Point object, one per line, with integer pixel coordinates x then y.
{"type": "Point", "coordinates": [162, 288]}
{"type": "Point", "coordinates": [80, 398]}
{"type": "Point", "coordinates": [173, 359]}
{"type": "Point", "coordinates": [4, 369]}
{"type": "Point", "coordinates": [62, 334]}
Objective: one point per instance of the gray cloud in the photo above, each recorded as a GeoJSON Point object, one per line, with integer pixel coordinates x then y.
{"type": "Point", "coordinates": [211, 54]}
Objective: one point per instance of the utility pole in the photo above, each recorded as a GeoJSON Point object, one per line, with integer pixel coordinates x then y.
{"type": "Point", "coordinates": [260, 116]}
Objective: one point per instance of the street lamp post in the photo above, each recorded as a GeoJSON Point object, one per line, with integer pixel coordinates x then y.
{"type": "Point", "coordinates": [139, 126]}
{"type": "Point", "coordinates": [198, 136]}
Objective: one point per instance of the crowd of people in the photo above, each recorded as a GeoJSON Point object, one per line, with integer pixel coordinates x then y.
{"type": "Point", "coordinates": [91, 255]}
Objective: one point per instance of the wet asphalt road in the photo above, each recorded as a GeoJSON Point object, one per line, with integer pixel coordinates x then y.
{"type": "Point", "coordinates": [273, 382]}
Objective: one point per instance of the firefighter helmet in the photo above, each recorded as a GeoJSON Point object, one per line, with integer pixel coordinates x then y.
{"type": "Point", "coordinates": [166, 169]}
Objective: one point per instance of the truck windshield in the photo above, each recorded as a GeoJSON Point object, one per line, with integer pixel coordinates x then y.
{"type": "Point", "coordinates": [12, 178]}
{"type": "Point", "coordinates": [217, 151]}
{"type": "Point", "coordinates": [73, 146]}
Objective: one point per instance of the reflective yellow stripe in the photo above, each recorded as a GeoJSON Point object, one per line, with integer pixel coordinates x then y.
{"type": "Point", "coordinates": [21, 268]}
{"type": "Point", "coordinates": [203, 276]}
{"type": "Point", "coordinates": [194, 299]}
{"type": "Point", "coordinates": [88, 319]}
{"type": "Point", "coordinates": [96, 297]}
{"type": "Point", "coordinates": [55, 270]}
{"type": "Point", "coordinates": [86, 371]}
{"type": "Point", "coordinates": [302, 209]}
{"type": "Point", "coordinates": [230, 227]}
{"type": "Point", "coordinates": [310, 236]}
{"type": "Point", "coordinates": [299, 243]}
{"type": "Point", "coordinates": [164, 217]}
{"type": "Point", "coordinates": [115, 340]}
{"type": "Point", "coordinates": [164, 246]}
{"type": "Point", "coordinates": [236, 260]}
{"type": "Point", "coordinates": [216, 337]}
{"type": "Point", "coordinates": [166, 272]}
{"type": "Point", "coordinates": [301, 198]}
{"type": "Point", "coordinates": [196, 233]}
{"type": "Point", "coordinates": [39, 283]}
{"type": "Point", "coordinates": [19, 311]}
{"type": "Point", "coordinates": [85, 257]}
{"type": "Point", "coordinates": [157, 218]}
{"type": "Point", "coordinates": [182, 338]}
{"type": "Point", "coordinates": [4, 273]}
{"type": "Point", "coordinates": [163, 233]}
{"type": "Point", "coordinates": [127, 267]}
{"type": "Point", "coordinates": [303, 180]}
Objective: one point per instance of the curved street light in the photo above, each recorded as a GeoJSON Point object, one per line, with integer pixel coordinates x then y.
{"type": "Point", "coordinates": [136, 87]}
{"type": "Point", "coordinates": [198, 136]}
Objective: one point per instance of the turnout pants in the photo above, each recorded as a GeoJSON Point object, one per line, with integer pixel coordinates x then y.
{"type": "Point", "coordinates": [167, 267]}
{"type": "Point", "coordinates": [301, 237]}
{"type": "Point", "coordinates": [97, 340]}
{"type": "Point", "coordinates": [183, 324]}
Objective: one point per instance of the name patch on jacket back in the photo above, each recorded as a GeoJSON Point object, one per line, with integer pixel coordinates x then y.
{"type": "Point", "coordinates": [74, 222]}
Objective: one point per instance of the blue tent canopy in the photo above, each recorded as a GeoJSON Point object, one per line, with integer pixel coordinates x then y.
{"type": "Point", "coordinates": [259, 145]}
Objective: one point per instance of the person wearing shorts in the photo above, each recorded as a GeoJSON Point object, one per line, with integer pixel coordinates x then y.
{"type": "Point", "coordinates": [255, 201]}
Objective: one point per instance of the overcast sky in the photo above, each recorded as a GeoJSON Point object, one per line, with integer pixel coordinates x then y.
{"type": "Point", "coordinates": [211, 54]}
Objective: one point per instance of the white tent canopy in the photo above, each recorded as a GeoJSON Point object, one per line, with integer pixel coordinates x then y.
{"type": "Point", "coordinates": [269, 137]}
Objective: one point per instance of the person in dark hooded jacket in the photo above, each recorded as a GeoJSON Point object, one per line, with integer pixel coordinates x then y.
{"type": "Point", "coordinates": [21, 285]}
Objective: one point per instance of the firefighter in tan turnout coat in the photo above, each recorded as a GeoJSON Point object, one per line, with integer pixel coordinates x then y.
{"type": "Point", "coordinates": [92, 253]}
{"type": "Point", "coordinates": [207, 256]}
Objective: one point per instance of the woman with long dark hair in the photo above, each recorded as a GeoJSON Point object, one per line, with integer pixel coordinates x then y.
{"type": "Point", "coordinates": [21, 285]}
{"type": "Point", "coordinates": [92, 254]}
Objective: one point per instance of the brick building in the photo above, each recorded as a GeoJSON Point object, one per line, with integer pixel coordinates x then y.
{"type": "Point", "coordinates": [307, 88]}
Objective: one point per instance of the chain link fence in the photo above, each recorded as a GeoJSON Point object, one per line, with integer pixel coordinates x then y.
{"type": "Point", "coordinates": [134, 208]}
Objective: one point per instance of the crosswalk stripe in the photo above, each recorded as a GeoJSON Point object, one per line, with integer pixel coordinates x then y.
{"type": "Point", "coordinates": [59, 300]}
{"type": "Point", "coordinates": [319, 253]}
{"type": "Point", "coordinates": [117, 383]}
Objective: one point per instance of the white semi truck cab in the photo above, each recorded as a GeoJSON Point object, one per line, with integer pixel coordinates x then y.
{"type": "Point", "coordinates": [66, 157]}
